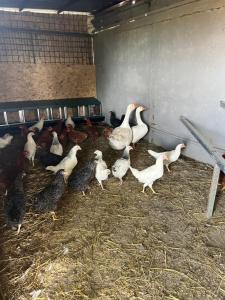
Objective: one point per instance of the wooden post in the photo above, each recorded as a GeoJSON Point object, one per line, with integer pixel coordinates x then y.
{"type": "Point", "coordinates": [213, 190]}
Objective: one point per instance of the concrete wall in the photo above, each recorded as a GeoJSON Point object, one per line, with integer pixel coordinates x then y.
{"type": "Point", "coordinates": [172, 61]}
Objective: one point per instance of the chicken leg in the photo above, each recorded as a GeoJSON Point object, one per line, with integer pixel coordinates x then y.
{"type": "Point", "coordinates": [144, 186]}
{"type": "Point", "coordinates": [167, 166]}
{"type": "Point", "coordinates": [154, 192]}
{"type": "Point", "coordinates": [18, 230]}
{"type": "Point", "coordinates": [32, 159]}
{"type": "Point", "coordinates": [101, 185]}
{"type": "Point", "coordinates": [53, 216]}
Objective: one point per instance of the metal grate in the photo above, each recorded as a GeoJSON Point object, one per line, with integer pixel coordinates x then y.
{"type": "Point", "coordinates": [43, 47]}
{"type": "Point", "coordinates": [38, 38]}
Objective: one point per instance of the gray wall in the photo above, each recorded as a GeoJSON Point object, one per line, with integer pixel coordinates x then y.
{"type": "Point", "coordinates": [172, 61]}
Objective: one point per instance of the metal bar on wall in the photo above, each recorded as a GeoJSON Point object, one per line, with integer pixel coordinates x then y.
{"type": "Point", "coordinates": [219, 165]}
{"type": "Point", "coordinates": [51, 32]}
{"type": "Point", "coordinates": [5, 117]}
{"type": "Point", "coordinates": [204, 142]}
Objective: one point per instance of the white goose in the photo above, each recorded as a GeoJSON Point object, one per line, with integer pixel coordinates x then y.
{"type": "Point", "coordinates": [141, 129]}
{"type": "Point", "coordinates": [122, 136]}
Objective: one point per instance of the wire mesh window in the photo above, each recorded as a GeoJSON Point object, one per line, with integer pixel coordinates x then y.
{"type": "Point", "coordinates": [44, 39]}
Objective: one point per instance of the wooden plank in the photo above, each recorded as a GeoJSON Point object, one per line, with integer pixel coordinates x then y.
{"type": "Point", "coordinates": [213, 190]}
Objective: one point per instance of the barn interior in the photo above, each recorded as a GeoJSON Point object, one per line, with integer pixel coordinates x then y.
{"type": "Point", "coordinates": [65, 65]}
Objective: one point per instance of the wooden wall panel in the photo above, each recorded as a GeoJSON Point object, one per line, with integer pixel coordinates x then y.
{"type": "Point", "coordinates": [46, 81]}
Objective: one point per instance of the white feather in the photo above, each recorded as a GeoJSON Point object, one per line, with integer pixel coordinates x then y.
{"type": "Point", "coordinates": [30, 147]}
{"type": "Point", "coordinates": [56, 147]}
{"type": "Point", "coordinates": [69, 121]}
{"type": "Point", "coordinates": [68, 163]}
{"type": "Point", "coordinates": [141, 129]}
{"type": "Point", "coordinates": [121, 166]}
{"type": "Point", "coordinates": [101, 171]}
{"type": "Point", "coordinates": [171, 156]}
{"type": "Point", "coordinates": [39, 125]}
{"type": "Point", "coordinates": [149, 175]}
{"type": "Point", "coordinates": [5, 140]}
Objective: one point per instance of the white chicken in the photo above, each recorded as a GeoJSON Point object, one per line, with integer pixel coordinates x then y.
{"type": "Point", "coordinates": [39, 125]}
{"type": "Point", "coordinates": [68, 163]}
{"type": "Point", "coordinates": [171, 156]}
{"type": "Point", "coordinates": [101, 171]}
{"type": "Point", "coordinates": [56, 147]}
{"type": "Point", "coordinates": [69, 121]}
{"type": "Point", "coordinates": [121, 166]}
{"type": "Point", "coordinates": [149, 175]}
{"type": "Point", "coordinates": [30, 147]}
{"type": "Point", "coordinates": [122, 136]}
{"type": "Point", "coordinates": [5, 140]}
{"type": "Point", "coordinates": [141, 129]}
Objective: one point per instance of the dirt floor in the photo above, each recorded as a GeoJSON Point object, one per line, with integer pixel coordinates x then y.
{"type": "Point", "coordinates": [119, 243]}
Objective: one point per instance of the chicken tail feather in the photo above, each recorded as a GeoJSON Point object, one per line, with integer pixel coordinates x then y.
{"type": "Point", "coordinates": [154, 154]}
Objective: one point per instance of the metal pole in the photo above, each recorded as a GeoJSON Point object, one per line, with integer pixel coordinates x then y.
{"type": "Point", "coordinates": [60, 112]}
{"type": "Point", "coordinates": [5, 117]}
{"type": "Point", "coordinates": [205, 143]}
{"type": "Point", "coordinates": [220, 162]}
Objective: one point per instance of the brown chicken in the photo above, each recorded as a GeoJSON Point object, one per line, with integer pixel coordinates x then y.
{"type": "Point", "coordinates": [75, 136]}
{"type": "Point", "coordinates": [107, 131]}
{"type": "Point", "coordinates": [24, 130]}
{"type": "Point", "coordinates": [45, 138]}
{"type": "Point", "coordinates": [63, 138]}
{"type": "Point", "coordinates": [58, 127]}
{"type": "Point", "coordinates": [91, 130]}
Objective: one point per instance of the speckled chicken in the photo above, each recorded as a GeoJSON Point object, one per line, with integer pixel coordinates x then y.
{"type": "Point", "coordinates": [121, 166]}
{"type": "Point", "coordinates": [101, 171]}
{"type": "Point", "coordinates": [80, 179]}
{"type": "Point", "coordinates": [48, 198]}
{"type": "Point", "coordinates": [15, 203]}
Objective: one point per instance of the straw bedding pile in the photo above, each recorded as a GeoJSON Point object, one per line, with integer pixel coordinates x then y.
{"type": "Point", "coordinates": [119, 243]}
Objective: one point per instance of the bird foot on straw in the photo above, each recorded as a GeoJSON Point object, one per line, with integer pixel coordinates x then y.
{"type": "Point", "coordinates": [54, 216]}
{"type": "Point", "coordinates": [18, 230]}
